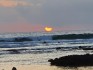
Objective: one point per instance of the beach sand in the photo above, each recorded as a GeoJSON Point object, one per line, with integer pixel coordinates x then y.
{"type": "Point", "coordinates": [40, 67]}
{"type": "Point", "coordinates": [28, 67]}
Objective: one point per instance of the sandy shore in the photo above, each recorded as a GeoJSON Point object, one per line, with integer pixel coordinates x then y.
{"type": "Point", "coordinates": [28, 67]}
{"type": "Point", "coordinates": [40, 67]}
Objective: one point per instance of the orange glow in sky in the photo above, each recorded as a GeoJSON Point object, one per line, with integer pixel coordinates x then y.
{"type": "Point", "coordinates": [21, 27]}
{"type": "Point", "coordinates": [48, 29]}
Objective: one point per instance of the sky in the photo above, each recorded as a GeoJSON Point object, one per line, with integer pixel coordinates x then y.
{"type": "Point", "coordinates": [34, 15]}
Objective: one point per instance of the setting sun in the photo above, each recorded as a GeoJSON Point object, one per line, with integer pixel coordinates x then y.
{"type": "Point", "coordinates": [48, 29]}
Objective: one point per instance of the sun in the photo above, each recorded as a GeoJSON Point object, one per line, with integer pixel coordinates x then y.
{"type": "Point", "coordinates": [48, 29]}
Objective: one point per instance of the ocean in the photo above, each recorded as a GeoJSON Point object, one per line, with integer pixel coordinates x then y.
{"type": "Point", "coordinates": [38, 47]}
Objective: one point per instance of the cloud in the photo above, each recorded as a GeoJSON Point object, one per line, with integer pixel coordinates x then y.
{"type": "Point", "coordinates": [21, 27]}
{"type": "Point", "coordinates": [13, 3]}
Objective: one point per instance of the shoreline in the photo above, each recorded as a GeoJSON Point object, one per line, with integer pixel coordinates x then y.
{"type": "Point", "coordinates": [28, 67]}
{"type": "Point", "coordinates": [42, 67]}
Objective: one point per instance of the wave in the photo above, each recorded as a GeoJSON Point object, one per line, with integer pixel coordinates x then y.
{"type": "Point", "coordinates": [48, 37]}
{"type": "Point", "coordinates": [35, 50]}
{"type": "Point", "coordinates": [46, 40]}
{"type": "Point", "coordinates": [44, 49]}
{"type": "Point", "coordinates": [19, 39]}
{"type": "Point", "coordinates": [73, 36]}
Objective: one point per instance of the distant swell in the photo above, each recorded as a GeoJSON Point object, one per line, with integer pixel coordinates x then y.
{"type": "Point", "coordinates": [19, 39]}
{"type": "Point", "coordinates": [72, 36]}
{"type": "Point", "coordinates": [48, 37]}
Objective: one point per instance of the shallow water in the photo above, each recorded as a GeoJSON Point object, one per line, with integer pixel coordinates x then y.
{"type": "Point", "coordinates": [36, 58]}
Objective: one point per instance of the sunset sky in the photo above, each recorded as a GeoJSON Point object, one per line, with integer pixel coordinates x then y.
{"type": "Point", "coordinates": [34, 15]}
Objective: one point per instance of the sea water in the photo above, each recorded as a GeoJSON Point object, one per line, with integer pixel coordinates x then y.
{"type": "Point", "coordinates": [38, 47]}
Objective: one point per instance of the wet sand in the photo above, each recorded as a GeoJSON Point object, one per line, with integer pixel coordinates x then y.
{"type": "Point", "coordinates": [41, 67]}
{"type": "Point", "coordinates": [28, 67]}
